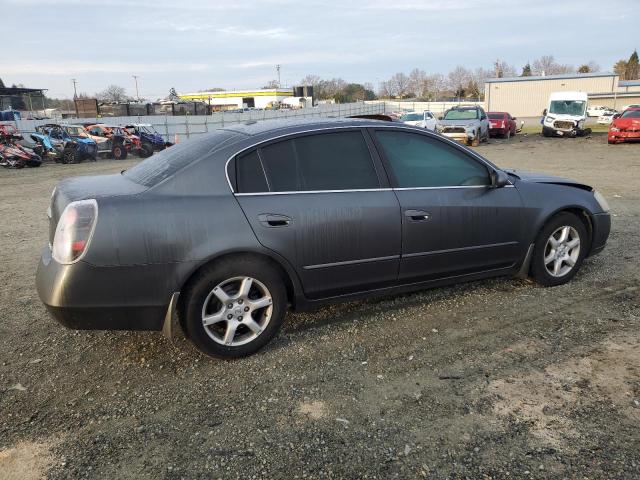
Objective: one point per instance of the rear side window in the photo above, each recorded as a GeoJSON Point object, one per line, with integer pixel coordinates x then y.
{"type": "Point", "coordinates": [249, 174]}
{"type": "Point", "coordinates": [420, 161]}
{"type": "Point", "coordinates": [326, 161]}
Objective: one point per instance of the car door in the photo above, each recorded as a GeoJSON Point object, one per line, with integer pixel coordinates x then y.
{"type": "Point", "coordinates": [453, 221]}
{"type": "Point", "coordinates": [322, 201]}
{"type": "Point", "coordinates": [429, 121]}
{"type": "Point", "coordinates": [484, 123]}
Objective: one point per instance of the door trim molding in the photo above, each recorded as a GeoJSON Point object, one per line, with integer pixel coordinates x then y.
{"type": "Point", "coordinates": [350, 262]}
{"type": "Point", "coordinates": [461, 249]}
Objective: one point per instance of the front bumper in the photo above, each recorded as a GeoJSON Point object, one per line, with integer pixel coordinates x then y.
{"type": "Point", "coordinates": [624, 136]}
{"type": "Point", "coordinates": [601, 229]}
{"type": "Point", "coordinates": [462, 137]}
{"type": "Point", "coordinates": [82, 296]}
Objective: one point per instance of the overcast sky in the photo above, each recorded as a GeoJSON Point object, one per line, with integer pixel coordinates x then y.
{"type": "Point", "coordinates": [192, 45]}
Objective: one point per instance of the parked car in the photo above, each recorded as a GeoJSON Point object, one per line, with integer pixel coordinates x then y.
{"type": "Point", "coordinates": [151, 140]}
{"type": "Point", "coordinates": [625, 128]}
{"type": "Point", "coordinates": [222, 233]}
{"type": "Point", "coordinates": [113, 141]}
{"type": "Point", "coordinates": [65, 143]}
{"type": "Point", "coordinates": [607, 117]}
{"type": "Point", "coordinates": [502, 124]}
{"type": "Point", "coordinates": [633, 105]}
{"type": "Point", "coordinates": [566, 115]}
{"type": "Point", "coordinates": [424, 119]}
{"type": "Point", "coordinates": [596, 110]}
{"type": "Point", "coordinates": [466, 124]}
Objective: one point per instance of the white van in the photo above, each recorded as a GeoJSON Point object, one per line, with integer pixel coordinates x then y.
{"type": "Point", "coordinates": [566, 115]}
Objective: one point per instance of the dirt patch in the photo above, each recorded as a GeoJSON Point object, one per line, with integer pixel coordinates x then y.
{"type": "Point", "coordinates": [548, 398]}
{"type": "Point", "coordinates": [26, 461]}
{"type": "Point", "coordinates": [314, 410]}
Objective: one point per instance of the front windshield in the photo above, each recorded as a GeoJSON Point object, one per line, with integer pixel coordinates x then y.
{"type": "Point", "coordinates": [567, 107]}
{"type": "Point", "coordinates": [631, 114]}
{"type": "Point", "coordinates": [458, 114]}
{"type": "Point", "coordinates": [411, 117]}
{"type": "Point", "coordinates": [75, 131]}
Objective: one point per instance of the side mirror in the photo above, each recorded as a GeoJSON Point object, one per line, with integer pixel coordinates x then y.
{"type": "Point", "coordinates": [499, 179]}
{"type": "Point", "coordinates": [544, 112]}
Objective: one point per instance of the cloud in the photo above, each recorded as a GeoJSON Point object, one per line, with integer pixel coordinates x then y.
{"type": "Point", "coordinates": [258, 33]}
{"type": "Point", "coordinates": [76, 68]}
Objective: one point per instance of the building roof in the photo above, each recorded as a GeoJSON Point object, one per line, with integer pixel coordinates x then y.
{"type": "Point", "coordinates": [266, 92]}
{"type": "Point", "coordinates": [10, 91]}
{"type": "Point", "coordinates": [571, 76]}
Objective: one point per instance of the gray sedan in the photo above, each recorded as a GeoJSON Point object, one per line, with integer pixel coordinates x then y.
{"type": "Point", "coordinates": [223, 233]}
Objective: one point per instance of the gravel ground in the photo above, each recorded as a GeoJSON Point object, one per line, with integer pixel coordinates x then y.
{"type": "Point", "coordinates": [493, 379]}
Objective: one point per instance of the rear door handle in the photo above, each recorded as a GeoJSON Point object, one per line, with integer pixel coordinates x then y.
{"type": "Point", "coordinates": [417, 215]}
{"type": "Point", "coordinates": [274, 220]}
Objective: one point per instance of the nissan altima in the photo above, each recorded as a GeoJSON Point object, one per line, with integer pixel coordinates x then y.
{"type": "Point", "coordinates": [223, 233]}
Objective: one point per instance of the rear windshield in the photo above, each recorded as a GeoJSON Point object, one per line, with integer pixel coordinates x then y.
{"type": "Point", "coordinates": [164, 164]}
{"type": "Point", "coordinates": [496, 116]}
{"type": "Point", "coordinates": [631, 114]}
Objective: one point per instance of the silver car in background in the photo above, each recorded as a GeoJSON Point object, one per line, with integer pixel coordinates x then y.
{"type": "Point", "coordinates": [465, 124]}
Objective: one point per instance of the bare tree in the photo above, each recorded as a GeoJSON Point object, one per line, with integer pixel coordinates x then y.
{"type": "Point", "coordinates": [418, 83]}
{"type": "Point", "coordinates": [503, 69]}
{"type": "Point", "coordinates": [384, 90]}
{"type": "Point", "coordinates": [113, 93]}
{"type": "Point", "coordinates": [547, 65]}
{"type": "Point", "coordinates": [399, 85]}
{"type": "Point", "coordinates": [458, 80]}
{"type": "Point", "coordinates": [271, 84]}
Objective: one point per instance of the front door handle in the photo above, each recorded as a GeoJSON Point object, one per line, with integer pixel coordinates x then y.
{"type": "Point", "coordinates": [274, 220]}
{"type": "Point", "coordinates": [417, 215]}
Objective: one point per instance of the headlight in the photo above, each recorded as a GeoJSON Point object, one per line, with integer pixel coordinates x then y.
{"type": "Point", "coordinates": [74, 231]}
{"type": "Point", "coordinates": [549, 119]}
{"type": "Point", "coordinates": [601, 201]}
{"type": "Point", "coordinates": [614, 129]}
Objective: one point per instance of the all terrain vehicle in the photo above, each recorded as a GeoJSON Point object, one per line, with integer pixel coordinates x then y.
{"type": "Point", "coordinates": [151, 141]}
{"type": "Point", "coordinates": [65, 143]}
{"type": "Point", "coordinates": [113, 141]}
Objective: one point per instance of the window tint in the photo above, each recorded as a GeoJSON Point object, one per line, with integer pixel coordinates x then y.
{"type": "Point", "coordinates": [249, 174]}
{"type": "Point", "coordinates": [420, 161]}
{"type": "Point", "coordinates": [327, 161]}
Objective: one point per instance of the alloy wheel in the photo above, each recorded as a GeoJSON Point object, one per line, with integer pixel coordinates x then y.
{"type": "Point", "coordinates": [561, 251]}
{"type": "Point", "coordinates": [237, 311]}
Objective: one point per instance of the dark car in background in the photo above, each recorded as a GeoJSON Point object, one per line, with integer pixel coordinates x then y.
{"type": "Point", "coordinates": [502, 124]}
{"type": "Point", "coordinates": [225, 232]}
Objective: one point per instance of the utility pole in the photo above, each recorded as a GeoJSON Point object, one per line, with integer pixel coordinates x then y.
{"type": "Point", "coordinates": [278, 70]}
{"type": "Point", "coordinates": [75, 92]}
{"type": "Point", "coordinates": [135, 78]}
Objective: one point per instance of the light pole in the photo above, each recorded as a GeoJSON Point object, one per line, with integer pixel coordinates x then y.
{"type": "Point", "coordinates": [135, 78]}
{"type": "Point", "coordinates": [75, 92]}
{"type": "Point", "coordinates": [278, 70]}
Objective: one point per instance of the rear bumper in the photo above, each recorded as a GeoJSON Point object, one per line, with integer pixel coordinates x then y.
{"type": "Point", "coordinates": [601, 229]}
{"type": "Point", "coordinates": [82, 296]}
{"type": "Point", "coordinates": [498, 131]}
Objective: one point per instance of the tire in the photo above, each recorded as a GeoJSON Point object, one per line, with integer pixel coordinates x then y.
{"type": "Point", "coordinates": [69, 155]}
{"type": "Point", "coordinates": [476, 140]}
{"type": "Point", "coordinates": [224, 279]}
{"type": "Point", "coordinates": [559, 270]}
{"type": "Point", "coordinates": [611, 142]}
{"type": "Point", "coordinates": [146, 151]}
{"type": "Point", "coordinates": [119, 152]}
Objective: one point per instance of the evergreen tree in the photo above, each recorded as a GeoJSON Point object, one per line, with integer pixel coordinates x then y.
{"type": "Point", "coordinates": [632, 72]}
{"type": "Point", "coordinates": [526, 70]}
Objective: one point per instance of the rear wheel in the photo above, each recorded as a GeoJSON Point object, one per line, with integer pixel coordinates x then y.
{"type": "Point", "coordinates": [234, 307]}
{"type": "Point", "coordinates": [145, 151]}
{"type": "Point", "coordinates": [508, 134]}
{"type": "Point", "coordinates": [559, 250]}
{"type": "Point", "coordinates": [476, 139]}
{"type": "Point", "coordinates": [69, 155]}
{"type": "Point", "coordinates": [119, 152]}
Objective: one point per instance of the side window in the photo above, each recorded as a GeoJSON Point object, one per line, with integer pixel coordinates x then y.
{"type": "Point", "coordinates": [420, 161]}
{"type": "Point", "coordinates": [249, 174]}
{"type": "Point", "coordinates": [324, 161]}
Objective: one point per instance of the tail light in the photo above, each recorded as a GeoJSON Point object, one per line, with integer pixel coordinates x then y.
{"type": "Point", "coordinates": [74, 231]}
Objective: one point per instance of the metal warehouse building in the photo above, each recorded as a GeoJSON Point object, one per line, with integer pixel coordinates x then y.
{"type": "Point", "coordinates": [528, 96]}
{"type": "Point", "coordinates": [226, 100]}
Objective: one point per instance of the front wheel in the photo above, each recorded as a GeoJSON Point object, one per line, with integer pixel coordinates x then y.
{"type": "Point", "coordinates": [119, 152]}
{"type": "Point", "coordinates": [235, 307]}
{"type": "Point", "coordinates": [559, 250]}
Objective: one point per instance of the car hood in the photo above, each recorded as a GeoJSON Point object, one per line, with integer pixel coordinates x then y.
{"type": "Point", "coordinates": [535, 177]}
{"type": "Point", "coordinates": [626, 122]}
{"type": "Point", "coordinates": [86, 140]}
{"type": "Point", "coordinates": [461, 123]}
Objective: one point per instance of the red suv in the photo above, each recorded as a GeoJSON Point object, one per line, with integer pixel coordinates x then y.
{"type": "Point", "coordinates": [502, 124]}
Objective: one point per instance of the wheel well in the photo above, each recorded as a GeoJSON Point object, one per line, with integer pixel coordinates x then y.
{"type": "Point", "coordinates": [582, 214]}
{"type": "Point", "coordinates": [258, 256]}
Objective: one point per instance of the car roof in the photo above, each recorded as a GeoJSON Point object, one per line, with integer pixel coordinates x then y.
{"type": "Point", "coordinates": [292, 125]}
